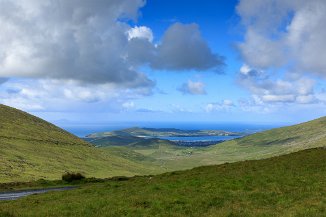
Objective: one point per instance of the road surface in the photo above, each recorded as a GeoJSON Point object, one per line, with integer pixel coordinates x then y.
{"type": "Point", "coordinates": [18, 194]}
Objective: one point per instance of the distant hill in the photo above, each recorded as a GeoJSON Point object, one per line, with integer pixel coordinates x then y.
{"type": "Point", "coordinates": [261, 145]}
{"type": "Point", "coordinates": [31, 148]}
{"type": "Point", "coordinates": [162, 132]}
{"type": "Point", "coordinates": [126, 140]}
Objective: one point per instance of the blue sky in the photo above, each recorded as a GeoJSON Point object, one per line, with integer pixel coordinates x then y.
{"type": "Point", "coordinates": [78, 62]}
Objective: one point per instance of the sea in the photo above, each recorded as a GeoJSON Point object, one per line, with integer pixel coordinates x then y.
{"type": "Point", "coordinates": [82, 130]}
{"type": "Point", "coordinates": [198, 138]}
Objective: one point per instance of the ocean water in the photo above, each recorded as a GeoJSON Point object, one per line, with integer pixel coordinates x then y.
{"type": "Point", "coordinates": [84, 130]}
{"type": "Point", "coordinates": [199, 138]}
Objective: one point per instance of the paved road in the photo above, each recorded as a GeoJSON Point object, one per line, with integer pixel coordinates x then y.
{"type": "Point", "coordinates": [18, 194]}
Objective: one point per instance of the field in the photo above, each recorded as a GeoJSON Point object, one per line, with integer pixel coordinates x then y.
{"type": "Point", "coordinates": [288, 185]}
{"type": "Point", "coordinates": [32, 149]}
{"type": "Point", "coordinates": [262, 145]}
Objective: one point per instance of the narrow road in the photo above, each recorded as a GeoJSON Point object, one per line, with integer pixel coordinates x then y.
{"type": "Point", "coordinates": [18, 194]}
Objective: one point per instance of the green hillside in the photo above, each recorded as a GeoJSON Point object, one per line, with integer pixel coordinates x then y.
{"type": "Point", "coordinates": [31, 148]}
{"type": "Point", "coordinates": [256, 146]}
{"type": "Point", "coordinates": [19, 125]}
{"type": "Point", "coordinates": [288, 185]}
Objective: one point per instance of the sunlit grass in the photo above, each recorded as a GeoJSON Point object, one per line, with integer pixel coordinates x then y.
{"type": "Point", "coordinates": [289, 185]}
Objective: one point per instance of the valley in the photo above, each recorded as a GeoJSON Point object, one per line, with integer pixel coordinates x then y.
{"type": "Point", "coordinates": [33, 149]}
{"type": "Point", "coordinates": [278, 172]}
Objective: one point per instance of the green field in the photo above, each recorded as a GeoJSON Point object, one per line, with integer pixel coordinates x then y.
{"type": "Point", "coordinates": [266, 144]}
{"type": "Point", "coordinates": [32, 149]}
{"type": "Point", "coordinates": [289, 185]}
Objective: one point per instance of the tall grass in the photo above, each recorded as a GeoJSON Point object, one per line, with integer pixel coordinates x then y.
{"type": "Point", "coordinates": [289, 185]}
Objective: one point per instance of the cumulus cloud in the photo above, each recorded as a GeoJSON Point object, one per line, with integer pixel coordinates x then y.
{"type": "Point", "coordinates": [193, 88]}
{"type": "Point", "coordinates": [54, 95]}
{"type": "Point", "coordinates": [292, 89]}
{"type": "Point", "coordinates": [282, 37]}
{"type": "Point", "coordinates": [284, 33]}
{"type": "Point", "coordinates": [183, 48]}
{"type": "Point", "coordinates": [225, 105]}
{"type": "Point", "coordinates": [78, 40]}
{"type": "Point", "coordinates": [92, 42]}
{"type": "Point", "coordinates": [140, 32]}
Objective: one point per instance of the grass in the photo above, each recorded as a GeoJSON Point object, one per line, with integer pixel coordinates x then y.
{"type": "Point", "coordinates": [25, 161]}
{"type": "Point", "coordinates": [262, 145]}
{"type": "Point", "coordinates": [32, 149]}
{"type": "Point", "coordinates": [288, 185]}
{"type": "Point", "coordinates": [21, 126]}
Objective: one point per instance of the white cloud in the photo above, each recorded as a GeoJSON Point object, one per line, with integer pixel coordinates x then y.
{"type": "Point", "coordinates": [70, 54]}
{"type": "Point", "coordinates": [128, 105]}
{"type": "Point", "coordinates": [278, 98]}
{"type": "Point", "coordinates": [92, 42]}
{"type": "Point", "coordinates": [225, 105]}
{"type": "Point", "coordinates": [245, 69]}
{"type": "Point", "coordinates": [140, 32]}
{"type": "Point", "coordinates": [193, 88]}
{"type": "Point", "coordinates": [75, 39]}
{"type": "Point", "coordinates": [256, 105]}
{"type": "Point", "coordinates": [176, 108]}
{"type": "Point", "coordinates": [292, 89]}
{"type": "Point", "coordinates": [261, 52]}
{"type": "Point", "coordinates": [284, 33]}
{"type": "Point", "coordinates": [55, 95]}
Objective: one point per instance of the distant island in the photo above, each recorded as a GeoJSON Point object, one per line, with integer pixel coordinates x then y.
{"type": "Point", "coordinates": [137, 136]}
{"type": "Point", "coordinates": [163, 132]}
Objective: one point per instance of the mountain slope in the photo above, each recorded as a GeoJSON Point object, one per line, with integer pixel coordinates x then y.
{"type": "Point", "coordinates": [269, 143]}
{"type": "Point", "coordinates": [253, 147]}
{"type": "Point", "coordinates": [282, 140]}
{"type": "Point", "coordinates": [303, 135]}
{"type": "Point", "coordinates": [288, 185]}
{"type": "Point", "coordinates": [31, 148]}
{"type": "Point", "coordinates": [16, 124]}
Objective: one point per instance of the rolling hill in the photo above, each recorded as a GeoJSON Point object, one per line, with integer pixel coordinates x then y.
{"type": "Point", "coordinates": [125, 140]}
{"type": "Point", "coordinates": [288, 185]}
{"type": "Point", "coordinates": [261, 145]}
{"type": "Point", "coordinates": [31, 148]}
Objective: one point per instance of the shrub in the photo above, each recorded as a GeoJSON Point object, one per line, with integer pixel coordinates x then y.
{"type": "Point", "coordinates": [69, 177]}
{"type": "Point", "coordinates": [120, 178]}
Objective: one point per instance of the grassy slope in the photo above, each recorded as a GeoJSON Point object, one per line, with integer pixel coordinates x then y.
{"type": "Point", "coordinates": [289, 185]}
{"type": "Point", "coordinates": [257, 146]}
{"type": "Point", "coordinates": [31, 148]}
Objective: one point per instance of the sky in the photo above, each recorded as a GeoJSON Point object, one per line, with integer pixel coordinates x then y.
{"type": "Point", "coordinates": [102, 61]}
